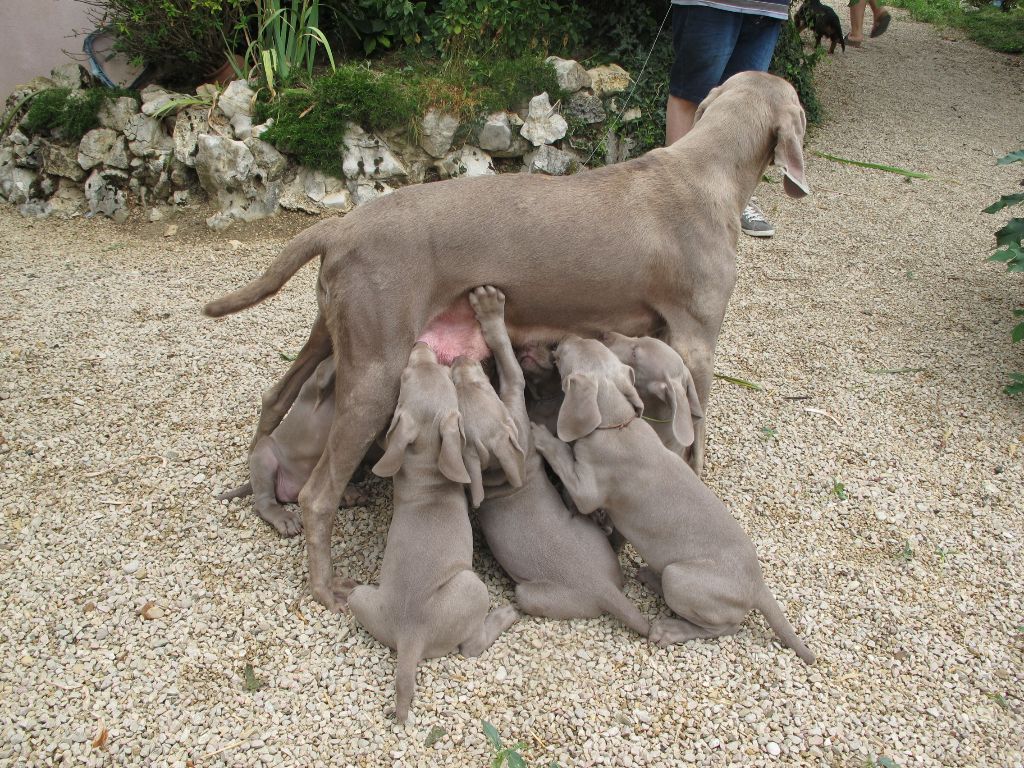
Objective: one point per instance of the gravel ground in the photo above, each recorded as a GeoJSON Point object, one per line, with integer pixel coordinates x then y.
{"type": "Point", "coordinates": [122, 411]}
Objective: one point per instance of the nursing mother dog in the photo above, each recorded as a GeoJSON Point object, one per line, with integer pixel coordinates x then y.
{"type": "Point", "coordinates": [569, 253]}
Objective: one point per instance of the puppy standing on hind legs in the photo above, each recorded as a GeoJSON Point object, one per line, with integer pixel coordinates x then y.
{"type": "Point", "coordinates": [429, 601]}
{"type": "Point", "coordinates": [707, 566]}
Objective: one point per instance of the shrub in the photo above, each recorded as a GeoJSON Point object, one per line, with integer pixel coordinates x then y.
{"type": "Point", "coordinates": [504, 28]}
{"type": "Point", "coordinates": [793, 62]}
{"type": "Point", "coordinates": [182, 39]}
{"type": "Point", "coordinates": [71, 113]}
{"type": "Point", "coordinates": [381, 24]}
{"type": "Point", "coordinates": [1010, 241]}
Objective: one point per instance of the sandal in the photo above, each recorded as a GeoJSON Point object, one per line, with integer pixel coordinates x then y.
{"type": "Point", "coordinates": [881, 24]}
{"type": "Point", "coordinates": [852, 43]}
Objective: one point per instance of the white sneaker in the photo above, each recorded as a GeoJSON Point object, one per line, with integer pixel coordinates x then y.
{"type": "Point", "coordinates": [754, 223]}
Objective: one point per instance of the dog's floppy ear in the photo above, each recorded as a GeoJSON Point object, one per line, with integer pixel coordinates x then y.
{"type": "Point", "coordinates": [473, 456]}
{"type": "Point", "coordinates": [789, 152]}
{"type": "Point", "coordinates": [400, 434]}
{"type": "Point", "coordinates": [702, 107]}
{"type": "Point", "coordinates": [686, 410]}
{"type": "Point", "coordinates": [453, 438]}
{"type": "Point", "coordinates": [579, 415]}
{"type": "Point", "coordinates": [510, 454]}
{"type": "Point", "coordinates": [628, 388]}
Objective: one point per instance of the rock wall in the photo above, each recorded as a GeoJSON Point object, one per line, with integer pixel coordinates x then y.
{"type": "Point", "coordinates": [176, 148]}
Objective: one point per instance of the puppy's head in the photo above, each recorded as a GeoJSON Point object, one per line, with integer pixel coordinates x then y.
{"type": "Point", "coordinates": [661, 375]}
{"type": "Point", "coordinates": [491, 435]}
{"type": "Point", "coordinates": [538, 364]}
{"type": "Point", "coordinates": [587, 366]}
{"type": "Point", "coordinates": [426, 418]}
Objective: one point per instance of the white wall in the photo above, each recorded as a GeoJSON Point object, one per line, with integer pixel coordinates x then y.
{"type": "Point", "coordinates": [33, 34]}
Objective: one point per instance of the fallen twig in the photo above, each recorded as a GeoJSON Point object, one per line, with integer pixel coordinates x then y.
{"type": "Point", "coordinates": [826, 414]}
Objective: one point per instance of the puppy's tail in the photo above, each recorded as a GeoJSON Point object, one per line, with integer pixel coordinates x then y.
{"type": "Point", "coordinates": [303, 248]}
{"type": "Point", "coordinates": [622, 608]}
{"type": "Point", "coordinates": [405, 678]}
{"type": "Point", "coordinates": [769, 608]}
{"type": "Point", "coordinates": [245, 489]}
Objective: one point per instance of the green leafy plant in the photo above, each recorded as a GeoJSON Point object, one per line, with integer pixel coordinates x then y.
{"type": "Point", "coordinates": [769, 433]}
{"type": "Point", "coordinates": [1010, 251]}
{"type": "Point", "coordinates": [503, 755]}
{"type": "Point", "coordinates": [381, 24]}
{"type": "Point", "coordinates": [252, 683]}
{"type": "Point", "coordinates": [181, 39]}
{"type": "Point", "coordinates": [467, 28]}
{"type": "Point", "coordinates": [907, 553]}
{"type": "Point", "coordinates": [286, 41]}
{"type": "Point", "coordinates": [839, 489]}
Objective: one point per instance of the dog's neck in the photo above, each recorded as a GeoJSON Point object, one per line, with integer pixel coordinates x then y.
{"type": "Point", "coordinates": [734, 160]}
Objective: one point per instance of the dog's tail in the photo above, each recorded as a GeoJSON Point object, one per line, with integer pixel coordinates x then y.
{"type": "Point", "coordinates": [769, 608]}
{"type": "Point", "coordinates": [405, 677]}
{"type": "Point", "coordinates": [245, 489]}
{"type": "Point", "coordinates": [303, 247]}
{"type": "Point", "coordinates": [622, 608]}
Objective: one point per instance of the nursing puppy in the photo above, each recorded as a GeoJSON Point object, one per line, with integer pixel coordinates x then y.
{"type": "Point", "coordinates": [699, 557]}
{"type": "Point", "coordinates": [666, 387]}
{"type": "Point", "coordinates": [429, 601]}
{"type": "Point", "coordinates": [562, 563]}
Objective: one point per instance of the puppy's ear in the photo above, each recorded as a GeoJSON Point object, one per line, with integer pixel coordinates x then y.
{"type": "Point", "coordinates": [789, 153]}
{"type": "Point", "coordinates": [628, 388]}
{"type": "Point", "coordinates": [453, 438]}
{"type": "Point", "coordinates": [579, 415]}
{"type": "Point", "coordinates": [401, 433]}
{"type": "Point", "coordinates": [686, 411]}
{"type": "Point", "coordinates": [510, 454]}
{"type": "Point", "coordinates": [471, 457]}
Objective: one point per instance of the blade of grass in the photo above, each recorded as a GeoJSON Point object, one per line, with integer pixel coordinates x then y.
{"type": "Point", "coordinates": [873, 166]}
{"type": "Point", "coordinates": [740, 382]}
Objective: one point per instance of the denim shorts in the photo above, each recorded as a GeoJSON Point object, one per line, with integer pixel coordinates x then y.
{"type": "Point", "coordinates": [712, 45]}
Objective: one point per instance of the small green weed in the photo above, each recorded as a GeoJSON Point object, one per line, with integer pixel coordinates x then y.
{"type": "Point", "coordinates": [436, 733]}
{"type": "Point", "coordinates": [907, 553]}
{"type": "Point", "coordinates": [999, 699]}
{"type": "Point", "coordinates": [839, 489]}
{"type": "Point", "coordinates": [252, 683]}
{"type": "Point", "coordinates": [769, 433]}
{"type": "Point", "coordinates": [503, 755]}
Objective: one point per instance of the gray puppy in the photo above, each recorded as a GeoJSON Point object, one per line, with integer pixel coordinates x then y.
{"type": "Point", "coordinates": [280, 463]}
{"type": "Point", "coordinates": [665, 385]}
{"type": "Point", "coordinates": [562, 563]}
{"type": "Point", "coordinates": [699, 556]}
{"type": "Point", "coordinates": [429, 601]}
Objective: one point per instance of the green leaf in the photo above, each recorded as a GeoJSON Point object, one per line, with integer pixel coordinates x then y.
{"type": "Point", "coordinates": [873, 166]}
{"type": "Point", "coordinates": [1004, 202]}
{"type": "Point", "coordinates": [1017, 334]}
{"type": "Point", "coordinates": [492, 734]}
{"type": "Point", "coordinates": [252, 683]}
{"type": "Point", "coordinates": [1016, 387]}
{"type": "Point", "coordinates": [1012, 233]}
{"type": "Point", "coordinates": [1012, 252]}
{"type": "Point", "coordinates": [740, 382]}
{"type": "Point", "coordinates": [286, 357]}
{"type": "Point", "coordinates": [1013, 157]}
{"type": "Point", "coordinates": [515, 760]}
{"type": "Point", "coordinates": [435, 733]}
{"type": "Point", "coordinates": [887, 762]}
{"type": "Point", "coordinates": [894, 370]}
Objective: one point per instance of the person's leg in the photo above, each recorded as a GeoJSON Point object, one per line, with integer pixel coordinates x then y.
{"type": "Point", "coordinates": [754, 48]}
{"type": "Point", "coordinates": [879, 18]}
{"type": "Point", "coordinates": [704, 39]}
{"type": "Point", "coordinates": [856, 34]}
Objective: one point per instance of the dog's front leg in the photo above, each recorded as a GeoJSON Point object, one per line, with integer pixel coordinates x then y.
{"type": "Point", "coordinates": [577, 477]}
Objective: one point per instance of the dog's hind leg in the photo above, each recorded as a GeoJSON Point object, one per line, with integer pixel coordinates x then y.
{"type": "Point", "coordinates": [279, 398]}
{"type": "Point", "coordinates": [364, 401]}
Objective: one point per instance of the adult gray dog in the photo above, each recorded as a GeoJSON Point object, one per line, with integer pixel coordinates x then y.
{"type": "Point", "coordinates": [640, 247]}
{"type": "Point", "coordinates": [562, 563]}
{"type": "Point", "coordinates": [699, 557]}
{"type": "Point", "coordinates": [429, 601]}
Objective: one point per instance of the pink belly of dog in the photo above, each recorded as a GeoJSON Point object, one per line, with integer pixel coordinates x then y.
{"type": "Point", "coordinates": [455, 332]}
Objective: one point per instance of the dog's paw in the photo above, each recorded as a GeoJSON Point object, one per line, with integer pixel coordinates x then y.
{"type": "Point", "coordinates": [488, 303]}
{"type": "Point", "coordinates": [335, 597]}
{"type": "Point", "coordinates": [287, 522]}
{"type": "Point", "coordinates": [354, 497]}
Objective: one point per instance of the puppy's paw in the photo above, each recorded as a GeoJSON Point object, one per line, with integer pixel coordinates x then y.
{"type": "Point", "coordinates": [353, 497]}
{"type": "Point", "coordinates": [286, 521]}
{"type": "Point", "coordinates": [335, 598]}
{"type": "Point", "coordinates": [488, 303]}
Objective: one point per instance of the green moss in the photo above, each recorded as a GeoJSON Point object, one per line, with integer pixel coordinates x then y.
{"type": "Point", "coordinates": [310, 122]}
{"type": "Point", "coordinates": [992, 27]}
{"type": "Point", "coordinates": [72, 114]}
